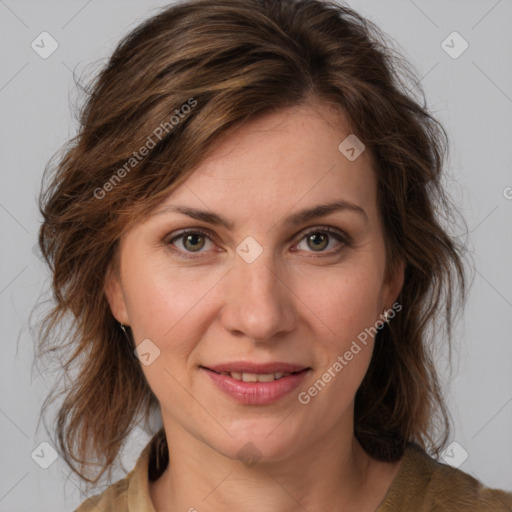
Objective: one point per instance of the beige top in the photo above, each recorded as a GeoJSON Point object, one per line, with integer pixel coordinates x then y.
{"type": "Point", "coordinates": [421, 485]}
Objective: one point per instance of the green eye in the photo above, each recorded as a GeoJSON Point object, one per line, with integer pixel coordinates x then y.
{"type": "Point", "coordinates": [190, 242]}
{"type": "Point", "coordinates": [317, 240]}
{"type": "Point", "coordinates": [193, 242]}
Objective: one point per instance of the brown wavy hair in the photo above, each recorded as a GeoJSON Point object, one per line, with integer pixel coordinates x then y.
{"type": "Point", "coordinates": [238, 59]}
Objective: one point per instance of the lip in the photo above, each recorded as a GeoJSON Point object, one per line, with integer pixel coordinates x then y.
{"type": "Point", "coordinates": [248, 367]}
{"type": "Point", "coordinates": [257, 393]}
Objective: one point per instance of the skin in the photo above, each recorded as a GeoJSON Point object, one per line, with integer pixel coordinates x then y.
{"type": "Point", "coordinates": [296, 303]}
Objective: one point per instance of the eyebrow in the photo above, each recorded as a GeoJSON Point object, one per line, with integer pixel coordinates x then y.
{"type": "Point", "coordinates": [297, 218]}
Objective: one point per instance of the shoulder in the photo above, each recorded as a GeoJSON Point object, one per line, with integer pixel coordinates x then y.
{"type": "Point", "coordinates": [114, 498]}
{"type": "Point", "coordinates": [132, 492]}
{"type": "Point", "coordinates": [424, 484]}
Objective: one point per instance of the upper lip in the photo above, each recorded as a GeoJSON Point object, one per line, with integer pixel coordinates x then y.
{"type": "Point", "coordinates": [249, 367]}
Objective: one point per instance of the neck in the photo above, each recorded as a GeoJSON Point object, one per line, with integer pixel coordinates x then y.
{"type": "Point", "coordinates": [333, 472]}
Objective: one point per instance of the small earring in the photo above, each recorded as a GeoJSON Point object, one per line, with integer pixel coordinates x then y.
{"type": "Point", "coordinates": [129, 342]}
{"type": "Point", "coordinates": [386, 317]}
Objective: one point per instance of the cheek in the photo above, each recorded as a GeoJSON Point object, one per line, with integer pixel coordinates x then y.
{"type": "Point", "coordinates": [344, 310]}
{"type": "Point", "coordinates": [169, 307]}
{"type": "Point", "coordinates": [342, 306]}
{"type": "Point", "coordinates": [162, 299]}
{"type": "Point", "coordinates": [344, 300]}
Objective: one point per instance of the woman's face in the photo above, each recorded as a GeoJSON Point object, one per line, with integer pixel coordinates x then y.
{"type": "Point", "coordinates": [260, 281]}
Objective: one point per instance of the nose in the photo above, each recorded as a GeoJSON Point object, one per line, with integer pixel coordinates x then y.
{"type": "Point", "coordinates": [259, 302]}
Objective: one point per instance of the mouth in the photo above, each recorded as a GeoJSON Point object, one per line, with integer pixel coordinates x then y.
{"type": "Point", "coordinates": [256, 384]}
{"type": "Point", "coordinates": [247, 371]}
{"type": "Point", "coordinates": [256, 377]}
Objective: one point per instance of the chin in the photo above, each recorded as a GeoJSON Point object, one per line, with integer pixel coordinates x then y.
{"type": "Point", "coordinates": [258, 445]}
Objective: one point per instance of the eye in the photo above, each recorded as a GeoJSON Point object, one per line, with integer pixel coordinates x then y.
{"type": "Point", "coordinates": [186, 243]}
{"type": "Point", "coordinates": [319, 239]}
{"type": "Point", "coordinates": [191, 241]}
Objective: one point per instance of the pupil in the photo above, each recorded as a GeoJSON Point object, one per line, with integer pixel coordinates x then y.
{"type": "Point", "coordinates": [192, 238]}
{"type": "Point", "coordinates": [321, 243]}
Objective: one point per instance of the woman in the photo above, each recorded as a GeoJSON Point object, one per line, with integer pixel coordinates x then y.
{"type": "Point", "coordinates": [245, 232]}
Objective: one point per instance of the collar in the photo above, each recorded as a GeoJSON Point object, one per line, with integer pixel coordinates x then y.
{"type": "Point", "coordinates": [149, 466]}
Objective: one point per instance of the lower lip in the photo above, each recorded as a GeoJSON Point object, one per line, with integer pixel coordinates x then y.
{"type": "Point", "coordinates": [256, 393]}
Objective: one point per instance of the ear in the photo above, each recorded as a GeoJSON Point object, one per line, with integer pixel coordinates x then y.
{"type": "Point", "coordinates": [393, 286]}
{"type": "Point", "coordinates": [115, 296]}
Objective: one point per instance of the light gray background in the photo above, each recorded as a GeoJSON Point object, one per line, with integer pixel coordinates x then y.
{"type": "Point", "coordinates": [471, 95]}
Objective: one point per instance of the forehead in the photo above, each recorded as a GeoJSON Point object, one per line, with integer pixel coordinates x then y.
{"type": "Point", "coordinates": [280, 162]}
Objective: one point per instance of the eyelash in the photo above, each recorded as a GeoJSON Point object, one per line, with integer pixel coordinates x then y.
{"type": "Point", "coordinates": [321, 229]}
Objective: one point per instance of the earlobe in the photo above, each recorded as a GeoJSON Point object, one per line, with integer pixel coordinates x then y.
{"type": "Point", "coordinates": [394, 286]}
{"type": "Point", "coordinates": [115, 297]}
